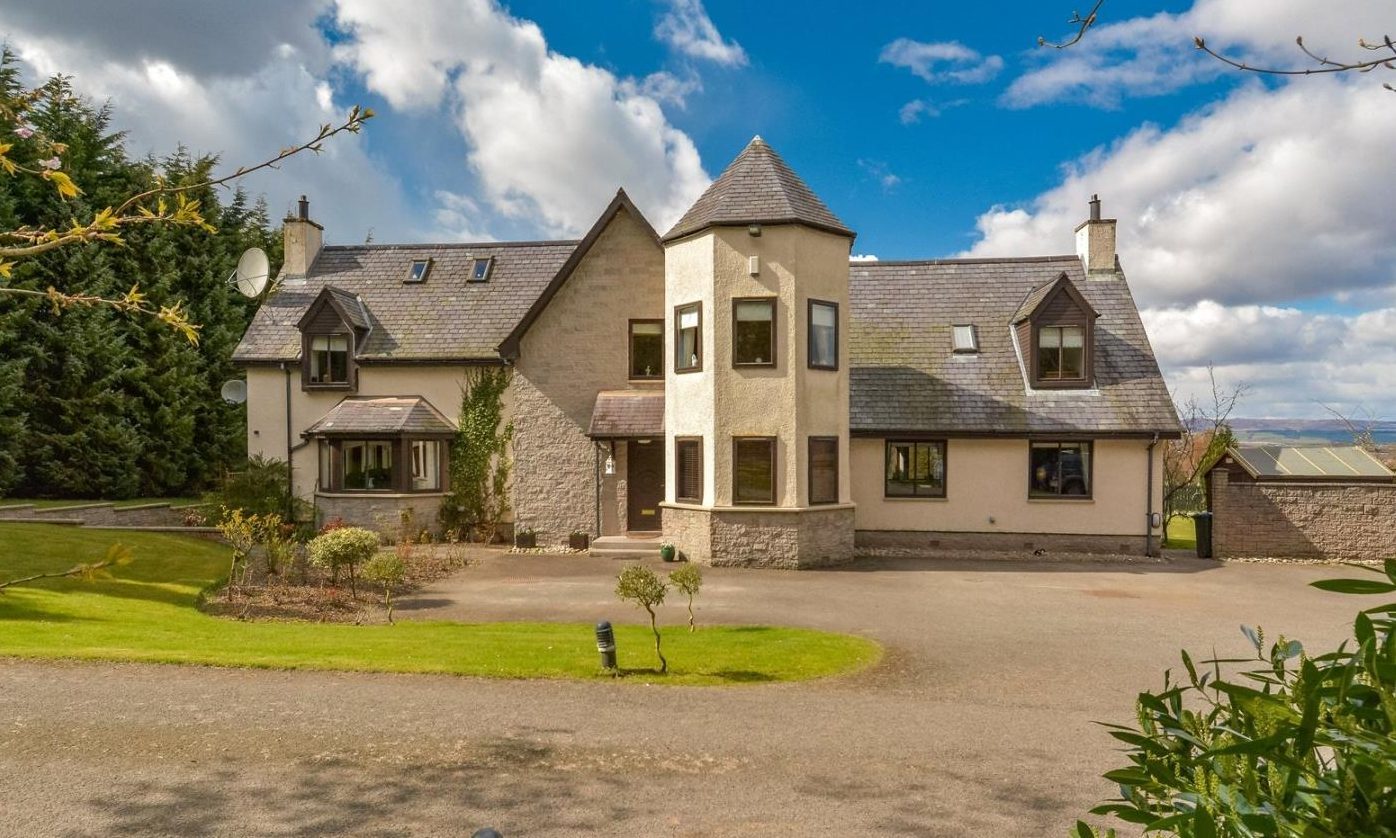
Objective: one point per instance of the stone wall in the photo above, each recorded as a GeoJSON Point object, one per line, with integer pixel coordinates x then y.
{"type": "Point", "coordinates": [771, 537]}
{"type": "Point", "coordinates": [1301, 520]}
{"type": "Point", "coordinates": [1123, 545]}
{"type": "Point", "coordinates": [106, 514]}
{"type": "Point", "coordinates": [382, 513]}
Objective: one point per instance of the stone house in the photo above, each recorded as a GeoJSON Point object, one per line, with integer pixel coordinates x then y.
{"type": "Point", "coordinates": [737, 386]}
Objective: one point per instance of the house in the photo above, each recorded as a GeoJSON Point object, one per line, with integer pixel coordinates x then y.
{"type": "Point", "coordinates": [737, 384]}
{"type": "Point", "coordinates": [1301, 501]}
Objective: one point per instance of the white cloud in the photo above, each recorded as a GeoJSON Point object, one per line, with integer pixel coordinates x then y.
{"type": "Point", "coordinates": [943, 61]}
{"type": "Point", "coordinates": [687, 28]}
{"type": "Point", "coordinates": [912, 112]}
{"type": "Point", "coordinates": [878, 171]}
{"type": "Point", "coordinates": [1265, 197]}
{"type": "Point", "coordinates": [550, 138]}
{"type": "Point", "coordinates": [1153, 56]}
{"type": "Point", "coordinates": [863, 257]}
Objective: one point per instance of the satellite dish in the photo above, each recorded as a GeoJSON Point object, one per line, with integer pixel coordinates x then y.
{"type": "Point", "coordinates": [253, 270]}
{"type": "Point", "coordinates": [234, 391]}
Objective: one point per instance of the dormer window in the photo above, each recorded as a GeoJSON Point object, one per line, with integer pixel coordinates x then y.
{"type": "Point", "coordinates": [329, 360]}
{"type": "Point", "coordinates": [418, 271]}
{"type": "Point", "coordinates": [480, 269]}
{"type": "Point", "coordinates": [965, 340]}
{"type": "Point", "coordinates": [1055, 332]}
{"type": "Point", "coordinates": [1061, 353]}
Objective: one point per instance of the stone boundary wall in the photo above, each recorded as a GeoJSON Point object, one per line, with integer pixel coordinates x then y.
{"type": "Point", "coordinates": [1296, 520]}
{"type": "Point", "coordinates": [1115, 545]}
{"type": "Point", "coordinates": [103, 514]}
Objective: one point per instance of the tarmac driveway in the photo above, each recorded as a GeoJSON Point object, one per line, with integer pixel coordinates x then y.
{"type": "Point", "coordinates": [978, 722]}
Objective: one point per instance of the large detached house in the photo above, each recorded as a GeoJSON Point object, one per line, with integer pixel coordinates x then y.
{"type": "Point", "coordinates": [735, 386]}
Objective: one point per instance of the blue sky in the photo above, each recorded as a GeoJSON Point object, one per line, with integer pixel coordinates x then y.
{"type": "Point", "coordinates": [1254, 223]}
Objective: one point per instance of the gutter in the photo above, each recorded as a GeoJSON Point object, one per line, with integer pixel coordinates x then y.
{"type": "Point", "coordinates": [1149, 500]}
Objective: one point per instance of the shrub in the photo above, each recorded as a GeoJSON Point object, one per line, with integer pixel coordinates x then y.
{"type": "Point", "coordinates": [1297, 746]}
{"type": "Point", "coordinates": [344, 547]}
{"type": "Point", "coordinates": [689, 580]}
{"type": "Point", "coordinates": [642, 586]}
{"type": "Point", "coordinates": [260, 488]}
{"type": "Point", "coordinates": [388, 570]}
{"type": "Point", "coordinates": [241, 532]}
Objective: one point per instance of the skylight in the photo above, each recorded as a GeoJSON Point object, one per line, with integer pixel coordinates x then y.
{"type": "Point", "coordinates": [418, 272]}
{"type": "Point", "coordinates": [966, 339]}
{"type": "Point", "coordinates": [480, 271]}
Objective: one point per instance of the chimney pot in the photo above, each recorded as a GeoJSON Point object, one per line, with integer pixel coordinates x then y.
{"type": "Point", "coordinates": [303, 209]}
{"type": "Point", "coordinates": [1095, 207]}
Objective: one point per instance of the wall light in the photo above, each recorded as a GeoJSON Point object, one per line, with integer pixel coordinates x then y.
{"type": "Point", "coordinates": [754, 230]}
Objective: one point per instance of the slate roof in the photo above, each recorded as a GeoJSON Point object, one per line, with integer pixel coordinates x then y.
{"type": "Point", "coordinates": [757, 188]}
{"type": "Point", "coordinates": [378, 415]}
{"type": "Point", "coordinates": [904, 375]}
{"type": "Point", "coordinates": [627, 413]}
{"type": "Point", "coordinates": [443, 318]}
{"type": "Point", "coordinates": [351, 305]}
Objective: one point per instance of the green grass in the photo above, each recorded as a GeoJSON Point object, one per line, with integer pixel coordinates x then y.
{"type": "Point", "coordinates": [49, 503]}
{"type": "Point", "coordinates": [148, 612]}
{"type": "Point", "coordinates": [1182, 534]}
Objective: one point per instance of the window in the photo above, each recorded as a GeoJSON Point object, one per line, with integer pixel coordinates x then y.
{"type": "Point", "coordinates": [966, 339]}
{"type": "Point", "coordinates": [688, 470]}
{"type": "Point", "coordinates": [426, 465]}
{"type": "Point", "coordinates": [915, 470]}
{"type": "Point", "coordinates": [754, 333]}
{"type": "Point", "coordinates": [480, 269]}
{"type": "Point", "coordinates": [823, 335]}
{"type": "Point", "coordinates": [1059, 470]}
{"type": "Point", "coordinates": [418, 271]}
{"type": "Point", "coordinates": [326, 465]}
{"type": "Point", "coordinates": [1061, 353]}
{"type": "Point", "coordinates": [754, 470]}
{"type": "Point", "coordinates": [329, 359]}
{"type": "Point", "coordinates": [368, 465]}
{"type": "Point", "coordinates": [646, 349]}
{"type": "Point", "coordinates": [688, 338]}
{"type": "Point", "coordinates": [823, 469]}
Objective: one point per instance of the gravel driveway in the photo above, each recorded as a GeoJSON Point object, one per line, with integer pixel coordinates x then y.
{"type": "Point", "coordinates": [978, 722]}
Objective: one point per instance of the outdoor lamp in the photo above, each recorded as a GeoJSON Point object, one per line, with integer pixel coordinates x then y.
{"type": "Point", "coordinates": [609, 467]}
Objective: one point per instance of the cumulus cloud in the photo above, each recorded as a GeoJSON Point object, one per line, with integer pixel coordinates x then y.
{"type": "Point", "coordinates": [1154, 55]}
{"type": "Point", "coordinates": [913, 112]}
{"type": "Point", "coordinates": [687, 28]}
{"type": "Point", "coordinates": [941, 61]}
{"type": "Point", "coordinates": [1265, 197]}
{"type": "Point", "coordinates": [550, 137]}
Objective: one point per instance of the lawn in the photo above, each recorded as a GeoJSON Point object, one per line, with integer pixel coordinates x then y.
{"type": "Point", "coordinates": [148, 612]}
{"type": "Point", "coordinates": [1182, 534]}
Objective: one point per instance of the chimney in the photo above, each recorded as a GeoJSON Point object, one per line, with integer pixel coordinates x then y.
{"type": "Point", "coordinates": [301, 240]}
{"type": "Point", "coordinates": [1095, 241]}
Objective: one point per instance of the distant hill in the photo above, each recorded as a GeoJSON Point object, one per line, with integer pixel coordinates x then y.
{"type": "Point", "coordinates": [1306, 430]}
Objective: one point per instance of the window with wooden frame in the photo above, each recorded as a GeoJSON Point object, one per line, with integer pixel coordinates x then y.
{"type": "Point", "coordinates": [383, 464]}
{"type": "Point", "coordinates": [327, 358]}
{"type": "Point", "coordinates": [754, 470]}
{"type": "Point", "coordinates": [1061, 353]}
{"type": "Point", "coordinates": [688, 469]}
{"type": "Point", "coordinates": [915, 469]}
{"type": "Point", "coordinates": [1059, 470]}
{"type": "Point", "coordinates": [823, 470]}
{"type": "Point", "coordinates": [823, 335]}
{"type": "Point", "coordinates": [754, 332]}
{"type": "Point", "coordinates": [688, 337]}
{"type": "Point", "coordinates": [646, 349]}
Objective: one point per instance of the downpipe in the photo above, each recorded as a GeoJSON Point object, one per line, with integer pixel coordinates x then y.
{"type": "Point", "coordinates": [1149, 500]}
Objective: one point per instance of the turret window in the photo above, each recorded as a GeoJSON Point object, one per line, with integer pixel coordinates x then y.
{"type": "Point", "coordinates": [754, 332]}
{"type": "Point", "coordinates": [754, 470]}
{"type": "Point", "coordinates": [823, 335]}
{"type": "Point", "coordinates": [688, 338]}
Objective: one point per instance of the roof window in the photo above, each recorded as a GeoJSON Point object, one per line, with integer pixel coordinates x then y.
{"type": "Point", "coordinates": [966, 339]}
{"type": "Point", "coordinates": [480, 270]}
{"type": "Point", "coordinates": [418, 271]}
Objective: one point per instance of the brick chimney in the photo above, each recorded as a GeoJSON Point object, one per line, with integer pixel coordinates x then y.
{"type": "Point", "coordinates": [1095, 241]}
{"type": "Point", "coordinates": [301, 240]}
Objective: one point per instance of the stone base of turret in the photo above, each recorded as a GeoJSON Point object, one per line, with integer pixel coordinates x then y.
{"type": "Point", "coordinates": [764, 537]}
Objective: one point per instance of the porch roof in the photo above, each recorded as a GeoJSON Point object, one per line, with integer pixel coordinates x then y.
{"type": "Point", "coordinates": [621, 414]}
{"type": "Point", "coordinates": [382, 415]}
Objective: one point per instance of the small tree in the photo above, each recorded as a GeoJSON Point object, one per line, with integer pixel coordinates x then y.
{"type": "Point", "coordinates": [388, 570]}
{"type": "Point", "coordinates": [345, 547]}
{"type": "Point", "coordinates": [242, 533]}
{"type": "Point", "coordinates": [689, 580]}
{"type": "Point", "coordinates": [642, 586]}
{"type": "Point", "coordinates": [1205, 438]}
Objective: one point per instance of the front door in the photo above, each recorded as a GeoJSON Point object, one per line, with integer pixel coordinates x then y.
{"type": "Point", "coordinates": [644, 487]}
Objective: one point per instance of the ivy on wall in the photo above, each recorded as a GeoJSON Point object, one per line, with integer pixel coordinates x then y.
{"type": "Point", "coordinates": [478, 500]}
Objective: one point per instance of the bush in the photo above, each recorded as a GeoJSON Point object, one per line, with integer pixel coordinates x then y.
{"type": "Point", "coordinates": [343, 547]}
{"type": "Point", "coordinates": [260, 488]}
{"type": "Point", "coordinates": [1297, 746]}
{"type": "Point", "coordinates": [688, 580]}
{"type": "Point", "coordinates": [388, 570]}
{"type": "Point", "coordinates": [642, 586]}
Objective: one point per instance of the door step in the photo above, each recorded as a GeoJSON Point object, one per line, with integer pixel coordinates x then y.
{"type": "Point", "coordinates": [625, 547]}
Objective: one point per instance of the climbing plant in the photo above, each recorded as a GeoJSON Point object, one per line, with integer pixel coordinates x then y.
{"type": "Point", "coordinates": [478, 499]}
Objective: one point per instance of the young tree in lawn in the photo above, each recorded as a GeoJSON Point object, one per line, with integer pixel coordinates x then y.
{"type": "Point", "coordinates": [643, 587]}
{"type": "Point", "coordinates": [388, 570]}
{"type": "Point", "coordinates": [1206, 436]}
{"type": "Point", "coordinates": [688, 580]}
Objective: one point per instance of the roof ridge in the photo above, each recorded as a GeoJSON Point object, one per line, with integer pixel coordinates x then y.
{"type": "Point", "coordinates": [978, 260]}
{"type": "Point", "coordinates": [454, 245]}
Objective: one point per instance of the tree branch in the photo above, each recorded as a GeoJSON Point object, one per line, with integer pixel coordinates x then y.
{"type": "Point", "coordinates": [1325, 64]}
{"type": "Point", "coordinates": [1083, 23]}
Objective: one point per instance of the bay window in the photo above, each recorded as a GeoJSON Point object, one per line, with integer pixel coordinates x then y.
{"type": "Point", "coordinates": [754, 332]}
{"type": "Point", "coordinates": [754, 470]}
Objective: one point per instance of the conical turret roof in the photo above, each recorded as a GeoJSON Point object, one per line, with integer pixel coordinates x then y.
{"type": "Point", "coordinates": [758, 188]}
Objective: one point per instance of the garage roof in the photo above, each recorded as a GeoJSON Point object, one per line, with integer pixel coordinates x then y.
{"type": "Point", "coordinates": [1340, 462]}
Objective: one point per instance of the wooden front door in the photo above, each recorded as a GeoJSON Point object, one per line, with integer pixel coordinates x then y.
{"type": "Point", "coordinates": [644, 484]}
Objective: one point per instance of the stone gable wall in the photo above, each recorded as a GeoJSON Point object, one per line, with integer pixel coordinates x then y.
{"type": "Point", "coordinates": [1301, 520]}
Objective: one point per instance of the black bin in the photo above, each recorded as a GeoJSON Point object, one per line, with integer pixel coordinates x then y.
{"type": "Point", "coordinates": [1203, 522]}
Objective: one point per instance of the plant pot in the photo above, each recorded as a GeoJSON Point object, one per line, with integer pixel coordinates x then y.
{"type": "Point", "coordinates": [525, 540]}
{"type": "Point", "coordinates": [578, 541]}
{"type": "Point", "coordinates": [668, 553]}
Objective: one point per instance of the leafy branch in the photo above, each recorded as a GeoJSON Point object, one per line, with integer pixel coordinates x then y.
{"type": "Point", "coordinates": [117, 556]}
